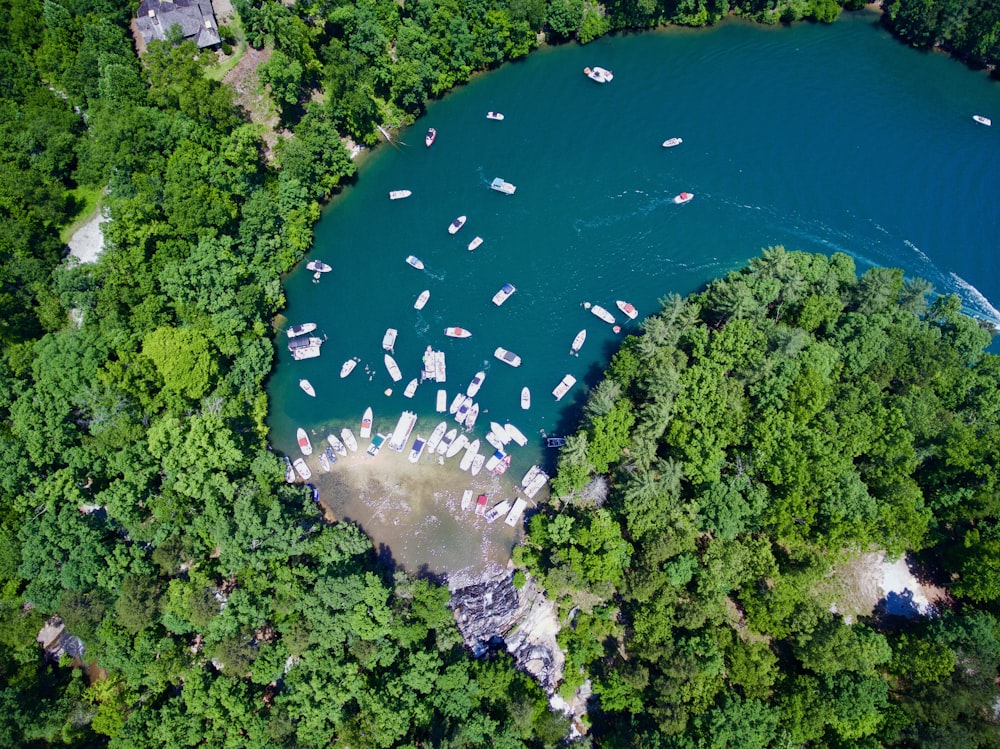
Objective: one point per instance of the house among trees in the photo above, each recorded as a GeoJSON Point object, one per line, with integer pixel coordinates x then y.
{"type": "Point", "coordinates": [194, 18]}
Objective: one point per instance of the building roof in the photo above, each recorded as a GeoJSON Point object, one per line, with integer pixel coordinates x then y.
{"type": "Point", "coordinates": [195, 17]}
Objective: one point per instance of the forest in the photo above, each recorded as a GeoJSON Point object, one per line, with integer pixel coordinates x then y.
{"type": "Point", "coordinates": [139, 500]}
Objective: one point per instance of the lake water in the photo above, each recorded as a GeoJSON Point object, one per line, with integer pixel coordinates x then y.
{"type": "Point", "coordinates": [818, 138]}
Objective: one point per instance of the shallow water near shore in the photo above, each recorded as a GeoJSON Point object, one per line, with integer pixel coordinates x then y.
{"type": "Point", "coordinates": [818, 138]}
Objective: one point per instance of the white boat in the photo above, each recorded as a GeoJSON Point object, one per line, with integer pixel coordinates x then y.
{"type": "Point", "coordinates": [435, 439]}
{"type": "Point", "coordinates": [671, 142]}
{"type": "Point", "coordinates": [515, 512]}
{"type": "Point", "coordinates": [307, 387]}
{"type": "Point", "coordinates": [495, 440]}
{"type": "Point", "coordinates": [457, 224]}
{"type": "Point", "coordinates": [348, 436]}
{"type": "Point", "coordinates": [494, 116]}
{"type": "Point", "coordinates": [455, 332]}
{"type": "Point", "coordinates": [417, 450]}
{"type": "Point", "coordinates": [475, 243]}
{"type": "Point", "coordinates": [463, 410]}
{"type": "Point", "coordinates": [289, 471]}
{"type": "Point", "coordinates": [337, 445]}
{"type": "Point", "coordinates": [305, 348]}
{"type": "Point", "coordinates": [500, 508]}
{"type": "Point", "coordinates": [324, 462]}
{"type": "Point", "coordinates": [501, 185]}
{"type": "Point", "coordinates": [389, 339]}
{"type": "Point", "coordinates": [431, 135]}
{"type": "Point", "coordinates": [456, 402]}
{"type": "Point", "coordinates": [303, 439]}
{"type": "Point", "coordinates": [411, 387]}
{"type": "Point", "coordinates": [466, 499]}
{"type": "Point", "coordinates": [415, 262]}
{"type": "Point", "coordinates": [504, 294]}
{"type": "Point", "coordinates": [471, 451]}
{"type": "Point", "coordinates": [459, 444]}
{"type": "Point", "coordinates": [470, 420]}
{"type": "Point", "coordinates": [434, 366]}
{"type": "Point", "coordinates": [563, 387]}
{"type": "Point", "coordinates": [603, 314]}
{"type": "Point", "coordinates": [515, 434]}
{"type": "Point", "coordinates": [297, 330]}
{"type": "Point", "coordinates": [477, 463]}
{"type": "Point", "coordinates": [494, 460]}
{"type": "Point", "coordinates": [442, 401]}
{"type": "Point", "coordinates": [578, 341]}
{"type": "Point", "coordinates": [683, 197]}
{"type": "Point", "coordinates": [302, 469]}
{"type": "Point", "coordinates": [599, 74]}
{"type": "Point", "coordinates": [500, 432]}
{"type": "Point", "coordinates": [627, 309]}
{"type": "Point", "coordinates": [422, 299]}
{"type": "Point", "coordinates": [399, 194]}
{"type": "Point", "coordinates": [400, 435]}
{"type": "Point", "coordinates": [394, 373]}
{"type": "Point", "coordinates": [525, 398]}
{"type": "Point", "coordinates": [982, 120]}
{"type": "Point", "coordinates": [446, 441]}
{"type": "Point", "coordinates": [318, 266]}
{"type": "Point", "coordinates": [534, 480]}
{"type": "Point", "coordinates": [348, 367]}
{"type": "Point", "coordinates": [501, 468]}
{"type": "Point", "coordinates": [481, 504]}
{"type": "Point", "coordinates": [366, 423]}
{"type": "Point", "coordinates": [507, 357]}
{"type": "Point", "coordinates": [477, 382]}
{"type": "Point", "coordinates": [377, 441]}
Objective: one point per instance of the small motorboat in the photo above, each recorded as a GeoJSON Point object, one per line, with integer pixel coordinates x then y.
{"type": "Point", "coordinates": [525, 398]}
{"type": "Point", "coordinates": [515, 434]}
{"type": "Point", "coordinates": [411, 387]}
{"type": "Point", "coordinates": [457, 402]}
{"type": "Point", "coordinates": [414, 261]}
{"type": "Point", "coordinates": [417, 450]}
{"type": "Point", "coordinates": [348, 367]}
{"type": "Point", "coordinates": [297, 330]}
{"type": "Point", "coordinates": [318, 266]}
{"type": "Point", "coordinates": [516, 511]}
{"type": "Point", "coordinates": [475, 243]}
{"type": "Point", "coordinates": [441, 404]}
{"type": "Point", "coordinates": [507, 357]}
{"type": "Point", "coordinates": [684, 197]}
{"type": "Point", "coordinates": [470, 420]}
{"type": "Point", "coordinates": [563, 387]}
{"type": "Point", "coordinates": [494, 116]}
{"type": "Point", "coordinates": [578, 341]}
{"type": "Point", "coordinates": [436, 435]}
{"type": "Point", "coordinates": [377, 441]}
{"type": "Point", "coordinates": [982, 120]}
{"type": "Point", "coordinates": [504, 294]}
{"type": "Point", "coordinates": [348, 437]}
{"type": "Point", "coordinates": [457, 224]}
{"type": "Point", "coordinates": [603, 314]}
{"type": "Point", "coordinates": [399, 194]}
{"type": "Point", "coordinates": [422, 299]}
{"type": "Point", "coordinates": [307, 387]}
{"type": "Point", "coordinates": [477, 463]}
{"type": "Point", "coordinates": [629, 310]}
{"type": "Point", "coordinates": [455, 332]}
{"type": "Point", "coordinates": [431, 135]}
{"type": "Point", "coordinates": [481, 504]}
{"type": "Point", "coordinates": [337, 445]}
{"type": "Point", "coordinates": [446, 441]}
{"type": "Point", "coordinates": [601, 75]}
{"type": "Point", "coordinates": [555, 441]}
{"type": "Point", "coordinates": [501, 185]}
{"type": "Point", "coordinates": [303, 439]}
{"type": "Point", "coordinates": [459, 444]}
{"type": "Point", "coordinates": [302, 469]}
{"type": "Point", "coordinates": [366, 423]}
{"type": "Point", "coordinates": [324, 462]}
{"type": "Point", "coordinates": [477, 382]}
{"type": "Point", "coordinates": [671, 142]}
{"type": "Point", "coordinates": [289, 471]}
{"type": "Point", "coordinates": [463, 410]}
{"type": "Point", "coordinates": [500, 508]}
{"type": "Point", "coordinates": [389, 339]}
{"type": "Point", "coordinates": [499, 432]}
{"type": "Point", "coordinates": [467, 499]}
{"type": "Point", "coordinates": [393, 368]}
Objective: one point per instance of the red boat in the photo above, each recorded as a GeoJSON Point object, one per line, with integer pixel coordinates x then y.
{"type": "Point", "coordinates": [629, 310]}
{"type": "Point", "coordinates": [481, 505]}
{"type": "Point", "coordinates": [457, 332]}
{"type": "Point", "coordinates": [431, 135]}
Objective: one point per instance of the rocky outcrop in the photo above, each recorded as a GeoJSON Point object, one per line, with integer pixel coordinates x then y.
{"type": "Point", "coordinates": [492, 614]}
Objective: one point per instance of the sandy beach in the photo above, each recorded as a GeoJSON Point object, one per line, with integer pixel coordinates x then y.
{"type": "Point", "coordinates": [413, 514]}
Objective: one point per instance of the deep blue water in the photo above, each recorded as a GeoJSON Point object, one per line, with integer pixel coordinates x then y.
{"type": "Point", "coordinates": [818, 138]}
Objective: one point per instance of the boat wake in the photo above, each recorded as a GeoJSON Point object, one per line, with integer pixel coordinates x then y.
{"type": "Point", "coordinates": [979, 302]}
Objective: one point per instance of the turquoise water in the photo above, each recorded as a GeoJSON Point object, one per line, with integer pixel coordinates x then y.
{"type": "Point", "coordinates": [818, 138]}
